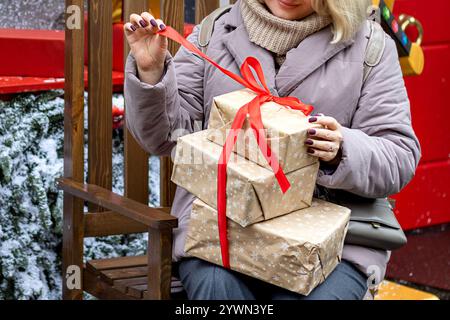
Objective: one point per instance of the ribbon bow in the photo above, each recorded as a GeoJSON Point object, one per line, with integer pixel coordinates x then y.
{"type": "Point", "coordinates": [251, 111]}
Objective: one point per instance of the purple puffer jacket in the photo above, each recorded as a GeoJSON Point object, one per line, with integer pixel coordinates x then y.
{"type": "Point", "coordinates": [380, 149]}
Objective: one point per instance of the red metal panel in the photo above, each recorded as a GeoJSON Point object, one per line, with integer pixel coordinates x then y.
{"type": "Point", "coordinates": [434, 15]}
{"type": "Point", "coordinates": [118, 50]}
{"type": "Point", "coordinates": [32, 53]}
{"type": "Point", "coordinates": [425, 201]}
{"type": "Point", "coordinates": [10, 85]}
{"type": "Point", "coordinates": [429, 95]}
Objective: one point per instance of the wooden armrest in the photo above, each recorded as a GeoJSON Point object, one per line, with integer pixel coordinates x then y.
{"type": "Point", "coordinates": [151, 217]}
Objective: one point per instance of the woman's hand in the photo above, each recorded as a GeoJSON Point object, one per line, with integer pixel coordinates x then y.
{"type": "Point", "coordinates": [148, 48]}
{"type": "Point", "coordinates": [325, 143]}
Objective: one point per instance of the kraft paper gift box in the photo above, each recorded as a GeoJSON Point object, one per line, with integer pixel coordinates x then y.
{"type": "Point", "coordinates": [286, 130]}
{"type": "Point", "coordinates": [253, 193]}
{"type": "Point", "coordinates": [296, 251]}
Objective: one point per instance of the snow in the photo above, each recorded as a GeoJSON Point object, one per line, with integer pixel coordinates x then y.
{"type": "Point", "coordinates": [35, 14]}
{"type": "Point", "coordinates": [31, 159]}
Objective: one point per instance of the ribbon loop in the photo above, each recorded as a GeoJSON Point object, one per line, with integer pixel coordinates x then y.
{"type": "Point", "coordinates": [253, 111]}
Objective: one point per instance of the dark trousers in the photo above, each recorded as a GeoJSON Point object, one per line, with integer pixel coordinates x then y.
{"type": "Point", "coordinates": [205, 281]}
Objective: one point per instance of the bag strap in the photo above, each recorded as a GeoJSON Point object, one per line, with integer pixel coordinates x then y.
{"type": "Point", "coordinates": [207, 26]}
{"type": "Point", "coordinates": [375, 48]}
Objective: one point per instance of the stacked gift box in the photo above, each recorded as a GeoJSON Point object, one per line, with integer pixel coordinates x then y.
{"type": "Point", "coordinates": [288, 239]}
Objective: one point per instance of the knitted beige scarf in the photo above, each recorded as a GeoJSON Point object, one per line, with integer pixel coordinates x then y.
{"type": "Point", "coordinates": [276, 34]}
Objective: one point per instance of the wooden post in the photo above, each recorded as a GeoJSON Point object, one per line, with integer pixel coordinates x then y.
{"type": "Point", "coordinates": [72, 252]}
{"type": "Point", "coordinates": [155, 8]}
{"type": "Point", "coordinates": [135, 158]}
{"type": "Point", "coordinates": [204, 8]}
{"type": "Point", "coordinates": [100, 95]}
{"type": "Point", "coordinates": [173, 15]}
{"type": "Point", "coordinates": [160, 263]}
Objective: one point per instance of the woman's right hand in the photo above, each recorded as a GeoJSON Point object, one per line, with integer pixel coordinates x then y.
{"type": "Point", "coordinates": [148, 48]}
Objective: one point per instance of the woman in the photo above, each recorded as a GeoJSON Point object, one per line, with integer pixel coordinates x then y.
{"type": "Point", "coordinates": [311, 49]}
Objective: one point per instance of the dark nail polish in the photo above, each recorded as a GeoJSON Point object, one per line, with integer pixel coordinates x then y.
{"type": "Point", "coordinates": [312, 132]}
{"type": "Point", "coordinates": [133, 28]}
{"type": "Point", "coordinates": [313, 119]}
{"type": "Point", "coordinates": [310, 151]}
{"type": "Point", "coordinates": [162, 26]}
{"type": "Point", "coordinates": [153, 23]}
{"type": "Point", "coordinates": [143, 23]}
{"type": "Point", "coordinates": [309, 142]}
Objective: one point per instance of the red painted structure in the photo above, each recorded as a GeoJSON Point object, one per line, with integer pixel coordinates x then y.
{"type": "Point", "coordinates": [425, 201]}
{"type": "Point", "coordinates": [35, 59]}
{"type": "Point", "coordinates": [38, 62]}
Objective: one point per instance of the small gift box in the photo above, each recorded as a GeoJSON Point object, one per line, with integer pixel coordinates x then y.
{"type": "Point", "coordinates": [253, 193]}
{"type": "Point", "coordinates": [296, 251]}
{"type": "Point", "coordinates": [285, 130]}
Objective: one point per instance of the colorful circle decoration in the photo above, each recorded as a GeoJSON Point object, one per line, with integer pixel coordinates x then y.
{"type": "Point", "coordinates": [386, 13]}
{"type": "Point", "coordinates": [405, 39]}
{"type": "Point", "coordinates": [394, 26]}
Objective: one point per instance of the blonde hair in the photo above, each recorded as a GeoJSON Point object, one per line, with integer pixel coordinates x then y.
{"type": "Point", "coordinates": [347, 15]}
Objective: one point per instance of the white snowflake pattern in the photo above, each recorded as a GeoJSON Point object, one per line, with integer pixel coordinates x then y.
{"type": "Point", "coordinates": [254, 255]}
{"type": "Point", "coordinates": [284, 246]}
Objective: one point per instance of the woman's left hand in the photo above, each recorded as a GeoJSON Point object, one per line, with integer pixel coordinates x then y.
{"type": "Point", "coordinates": [325, 143]}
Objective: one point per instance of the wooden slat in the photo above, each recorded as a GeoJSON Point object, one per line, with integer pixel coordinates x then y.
{"type": "Point", "coordinates": [139, 212]}
{"type": "Point", "coordinates": [72, 251]}
{"type": "Point", "coordinates": [109, 276]}
{"type": "Point", "coordinates": [160, 264]}
{"type": "Point", "coordinates": [137, 291]}
{"type": "Point", "coordinates": [167, 187]}
{"type": "Point", "coordinates": [116, 263]}
{"type": "Point", "coordinates": [204, 8]}
{"type": "Point", "coordinates": [123, 284]}
{"type": "Point", "coordinates": [110, 223]}
{"type": "Point", "coordinates": [102, 290]}
{"type": "Point", "coordinates": [102, 224]}
{"type": "Point", "coordinates": [173, 14]}
{"type": "Point", "coordinates": [100, 94]}
{"type": "Point", "coordinates": [155, 7]}
{"type": "Point", "coordinates": [135, 158]}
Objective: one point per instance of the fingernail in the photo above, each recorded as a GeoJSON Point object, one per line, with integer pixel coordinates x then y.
{"type": "Point", "coordinates": [153, 23]}
{"type": "Point", "coordinates": [313, 119]}
{"type": "Point", "coordinates": [133, 28]}
{"type": "Point", "coordinates": [143, 23]}
{"type": "Point", "coordinates": [312, 132]}
{"type": "Point", "coordinates": [310, 151]}
{"type": "Point", "coordinates": [309, 142]}
{"type": "Point", "coordinates": [162, 26]}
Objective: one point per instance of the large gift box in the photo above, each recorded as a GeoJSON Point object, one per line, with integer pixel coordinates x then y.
{"type": "Point", "coordinates": [296, 251]}
{"type": "Point", "coordinates": [253, 193]}
{"type": "Point", "coordinates": [285, 130]}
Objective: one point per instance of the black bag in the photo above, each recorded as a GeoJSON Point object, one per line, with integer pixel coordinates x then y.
{"type": "Point", "coordinates": [373, 224]}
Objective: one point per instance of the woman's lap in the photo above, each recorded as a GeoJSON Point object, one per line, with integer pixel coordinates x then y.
{"type": "Point", "coordinates": [205, 281]}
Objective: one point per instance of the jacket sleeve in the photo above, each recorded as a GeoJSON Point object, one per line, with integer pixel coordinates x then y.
{"type": "Point", "coordinates": [380, 152]}
{"type": "Point", "coordinates": [158, 114]}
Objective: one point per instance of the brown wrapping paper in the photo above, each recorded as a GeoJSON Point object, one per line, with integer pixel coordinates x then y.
{"type": "Point", "coordinates": [286, 130]}
{"type": "Point", "coordinates": [296, 251]}
{"type": "Point", "coordinates": [253, 193]}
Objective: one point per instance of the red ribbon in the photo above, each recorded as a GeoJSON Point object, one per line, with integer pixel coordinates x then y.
{"type": "Point", "coordinates": [251, 111]}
